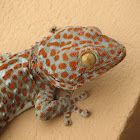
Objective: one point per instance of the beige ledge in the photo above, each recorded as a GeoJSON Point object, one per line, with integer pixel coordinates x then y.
{"type": "Point", "coordinates": [112, 96]}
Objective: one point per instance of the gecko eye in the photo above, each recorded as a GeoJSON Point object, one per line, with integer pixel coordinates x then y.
{"type": "Point", "coordinates": [88, 59]}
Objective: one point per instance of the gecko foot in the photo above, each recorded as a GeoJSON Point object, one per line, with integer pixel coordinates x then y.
{"type": "Point", "coordinates": [73, 108]}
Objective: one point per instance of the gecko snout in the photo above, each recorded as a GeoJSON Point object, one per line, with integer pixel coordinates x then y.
{"type": "Point", "coordinates": [122, 51]}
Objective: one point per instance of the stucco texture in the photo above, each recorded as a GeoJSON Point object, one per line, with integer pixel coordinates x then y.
{"type": "Point", "coordinates": [112, 96]}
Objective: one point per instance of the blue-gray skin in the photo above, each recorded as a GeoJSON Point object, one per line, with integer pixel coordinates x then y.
{"type": "Point", "coordinates": [67, 59]}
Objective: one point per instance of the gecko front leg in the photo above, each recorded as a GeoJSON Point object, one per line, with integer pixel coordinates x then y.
{"type": "Point", "coordinates": [73, 108]}
{"type": "Point", "coordinates": [48, 107]}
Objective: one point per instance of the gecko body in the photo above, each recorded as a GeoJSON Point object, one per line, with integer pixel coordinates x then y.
{"type": "Point", "coordinates": [67, 59]}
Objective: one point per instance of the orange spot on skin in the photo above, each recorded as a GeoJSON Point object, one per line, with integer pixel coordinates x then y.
{"type": "Point", "coordinates": [62, 44]}
{"type": "Point", "coordinates": [73, 63]}
{"type": "Point", "coordinates": [3, 90]}
{"type": "Point", "coordinates": [62, 65]}
{"type": "Point", "coordinates": [48, 37]}
{"type": "Point", "coordinates": [0, 81]}
{"type": "Point", "coordinates": [49, 109]}
{"type": "Point", "coordinates": [101, 46]}
{"type": "Point", "coordinates": [56, 58]}
{"type": "Point", "coordinates": [42, 86]}
{"type": "Point", "coordinates": [83, 42]}
{"type": "Point", "coordinates": [65, 57]}
{"type": "Point", "coordinates": [41, 65]}
{"type": "Point", "coordinates": [81, 33]}
{"type": "Point", "coordinates": [75, 45]}
{"type": "Point", "coordinates": [88, 34]}
{"type": "Point", "coordinates": [91, 30]}
{"type": "Point", "coordinates": [83, 51]}
{"type": "Point", "coordinates": [96, 43]}
{"type": "Point", "coordinates": [17, 98]}
{"type": "Point", "coordinates": [82, 70]}
{"type": "Point", "coordinates": [8, 108]}
{"type": "Point", "coordinates": [53, 67]}
{"type": "Point", "coordinates": [43, 53]}
{"type": "Point", "coordinates": [110, 45]}
{"type": "Point", "coordinates": [10, 95]}
{"type": "Point", "coordinates": [25, 55]}
{"type": "Point", "coordinates": [64, 74]}
{"type": "Point", "coordinates": [67, 48]}
{"type": "Point", "coordinates": [55, 75]}
{"type": "Point", "coordinates": [4, 66]}
{"type": "Point", "coordinates": [62, 85]}
{"type": "Point", "coordinates": [77, 49]}
{"type": "Point", "coordinates": [43, 43]}
{"type": "Point", "coordinates": [2, 109]}
{"type": "Point", "coordinates": [69, 29]}
{"type": "Point", "coordinates": [80, 79]}
{"type": "Point", "coordinates": [90, 77]}
{"type": "Point", "coordinates": [48, 117]}
{"type": "Point", "coordinates": [57, 36]}
{"type": "Point", "coordinates": [53, 52]}
{"type": "Point", "coordinates": [46, 72]}
{"type": "Point", "coordinates": [68, 43]}
{"type": "Point", "coordinates": [52, 81]}
{"type": "Point", "coordinates": [12, 56]}
{"type": "Point", "coordinates": [69, 82]}
{"type": "Point", "coordinates": [19, 90]}
{"type": "Point", "coordinates": [76, 38]}
{"type": "Point", "coordinates": [61, 80]}
{"type": "Point", "coordinates": [100, 39]}
{"type": "Point", "coordinates": [107, 39]}
{"type": "Point", "coordinates": [13, 61]}
{"type": "Point", "coordinates": [73, 76]}
{"type": "Point", "coordinates": [39, 107]}
{"type": "Point", "coordinates": [24, 92]}
{"type": "Point", "coordinates": [74, 54]}
{"type": "Point", "coordinates": [20, 83]}
{"type": "Point", "coordinates": [22, 106]}
{"type": "Point", "coordinates": [4, 100]}
{"type": "Point", "coordinates": [25, 79]}
{"type": "Point", "coordinates": [84, 46]}
{"type": "Point", "coordinates": [77, 29]}
{"type": "Point", "coordinates": [48, 62]}
{"type": "Point", "coordinates": [112, 51]}
{"type": "Point", "coordinates": [26, 64]}
{"type": "Point", "coordinates": [14, 77]}
{"type": "Point", "coordinates": [42, 115]}
{"type": "Point", "coordinates": [8, 74]}
{"type": "Point", "coordinates": [96, 33]}
{"type": "Point", "coordinates": [12, 86]}
{"type": "Point", "coordinates": [20, 73]}
{"type": "Point", "coordinates": [53, 44]}
{"type": "Point", "coordinates": [104, 53]}
{"type": "Point", "coordinates": [17, 66]}
{"type": "Point", "coordinates": [70, 36]}
{"type": "Point", "coordinates": [93, 37]}
{"type": "Point", "coordinates": [65, 36]}
{"type": "Point", "coordinates": [98, 49]}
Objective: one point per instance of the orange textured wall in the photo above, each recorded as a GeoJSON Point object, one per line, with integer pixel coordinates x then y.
{"type": "Point", "coordinates": [112, 96]}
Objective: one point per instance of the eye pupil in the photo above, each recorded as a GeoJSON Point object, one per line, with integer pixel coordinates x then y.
{"type": "Point", "coordinates": [88, 59]}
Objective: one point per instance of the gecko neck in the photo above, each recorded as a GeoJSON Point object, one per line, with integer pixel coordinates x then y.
{"type": "Point", "coordinates": [34, 64]}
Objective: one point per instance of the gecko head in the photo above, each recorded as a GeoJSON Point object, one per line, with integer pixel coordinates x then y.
{"type": "Point", "coordinates": [79, 54]}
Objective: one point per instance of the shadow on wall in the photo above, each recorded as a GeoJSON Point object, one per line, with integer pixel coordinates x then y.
{"type": "Point", "coordinates": [132, 128]}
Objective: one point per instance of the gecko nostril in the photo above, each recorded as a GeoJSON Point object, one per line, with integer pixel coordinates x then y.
{"type": "Point", "coordinates": [119, 51]}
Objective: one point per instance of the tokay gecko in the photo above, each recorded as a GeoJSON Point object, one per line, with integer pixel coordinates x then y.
{"type": "Point", "coordinates": [66, 59]}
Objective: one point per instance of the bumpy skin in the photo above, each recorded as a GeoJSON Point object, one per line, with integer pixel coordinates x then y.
{"type": "Point", "coordinates": [30, 78]}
